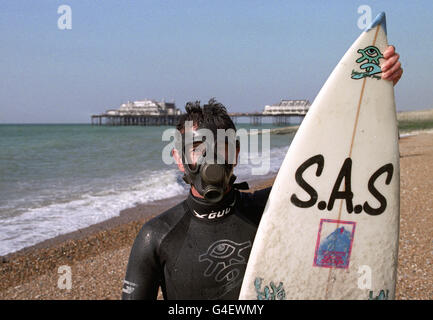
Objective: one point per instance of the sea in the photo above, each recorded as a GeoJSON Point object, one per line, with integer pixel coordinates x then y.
{"type": "Point", "coordinates": [58, 178]}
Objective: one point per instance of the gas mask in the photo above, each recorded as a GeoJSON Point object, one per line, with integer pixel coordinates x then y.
{"type": "Point", "coordinates": [209, 162]}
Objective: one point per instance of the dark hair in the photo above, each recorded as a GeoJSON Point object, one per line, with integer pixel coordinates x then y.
{"type": "Point", "coordinates": [212, 116]}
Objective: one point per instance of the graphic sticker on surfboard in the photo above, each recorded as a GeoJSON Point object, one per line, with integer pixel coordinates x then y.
{"type": "Point", "coordinates": [370, 55]}
{"type": "Point", "coordinates": [334, 243]}
{"type": "Point", "coordinates": [334, 206]}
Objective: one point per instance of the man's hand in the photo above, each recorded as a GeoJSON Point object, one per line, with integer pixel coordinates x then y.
{"type": "Point", "coordinates": [391, 69]}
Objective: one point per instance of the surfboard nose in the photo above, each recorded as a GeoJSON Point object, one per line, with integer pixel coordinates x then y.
{"type": "Point", "coordinates": [380, 19]}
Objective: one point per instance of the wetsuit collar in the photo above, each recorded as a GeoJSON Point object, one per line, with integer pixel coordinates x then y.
{"type": "Point", "coordinates": [206, 211]}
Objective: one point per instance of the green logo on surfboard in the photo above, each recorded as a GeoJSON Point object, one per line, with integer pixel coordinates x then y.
{"type": "Point", "coordinates": [371, 55]}
{"type": "Point", "coordinates": [272, 293]}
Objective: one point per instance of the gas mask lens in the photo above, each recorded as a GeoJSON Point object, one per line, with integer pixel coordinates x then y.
{"type": "Point", "coordinates": [194, 154]}
{"type": "Point", "coordinates": [209, 165]}
{"type": "Point", "coordinates": [200, 152]}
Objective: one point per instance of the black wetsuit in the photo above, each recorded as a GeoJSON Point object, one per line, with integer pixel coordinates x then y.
{"type": "Point", "coordinates": [194, 250]}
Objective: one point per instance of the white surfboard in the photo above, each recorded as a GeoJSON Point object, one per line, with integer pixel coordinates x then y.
{"type": "Point", "coordinates": [331, 224]}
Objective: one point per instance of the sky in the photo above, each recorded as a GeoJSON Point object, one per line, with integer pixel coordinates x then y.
{"type": "Point", "coordinates": [246, 54]}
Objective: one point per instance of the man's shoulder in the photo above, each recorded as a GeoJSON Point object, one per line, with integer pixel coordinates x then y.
{"type": "Point", "coordinates": [148, 241]}
{"type": "Point", "coordinates": [255, 198]}
{"type": "Point", "coordinates": [165, 221]}
{"type": "Point", "coordinates": [252, 204]}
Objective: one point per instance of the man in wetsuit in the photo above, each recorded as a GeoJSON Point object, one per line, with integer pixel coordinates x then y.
{"type": "Point", "coordinates": [199, 248]}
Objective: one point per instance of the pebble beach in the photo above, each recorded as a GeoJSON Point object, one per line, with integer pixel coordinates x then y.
{"type": "Point", "coordinates": [98, 255]}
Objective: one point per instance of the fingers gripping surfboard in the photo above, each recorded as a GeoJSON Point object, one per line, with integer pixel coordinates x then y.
{"type": "Point", "coordinates": [331, 224]}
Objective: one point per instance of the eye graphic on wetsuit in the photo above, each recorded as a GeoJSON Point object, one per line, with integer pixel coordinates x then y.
{"type": "Point", "coordinates": [222, 251]}
{"type": "Point", "coordinates": [232, 275]}
{"type": "Point", "coordinates": [225, 259]}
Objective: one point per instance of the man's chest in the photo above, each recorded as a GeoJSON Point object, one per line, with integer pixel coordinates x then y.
{"type": "Point", "coordinates": [209, 262]}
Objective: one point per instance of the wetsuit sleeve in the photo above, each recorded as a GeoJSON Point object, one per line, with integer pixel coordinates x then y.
{"type": "Point", "coordinates": [254, 203]}
{"type": "Point", "coordinates": [143, 275]}
{"type": "Point", "coordinates": [261, 196]}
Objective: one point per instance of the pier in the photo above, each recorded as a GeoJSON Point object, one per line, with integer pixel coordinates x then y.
{"type": "Point", "coordinates": [153, 113]}
{"type": "Point", "coordinates": [139, 113]}
{"type": "Point", "coordinates": [134, 120]}
{"type": "Point", "coordinates": [255, 118]}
